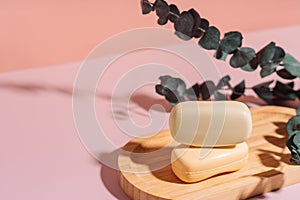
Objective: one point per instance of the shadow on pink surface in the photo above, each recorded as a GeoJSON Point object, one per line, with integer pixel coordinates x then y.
{"type": "Point", "coordinates": [109, 176]}
{"type": "Point", "coordinates": [34, 88]}
{"type": "Point", "coordinates": [144, 101]}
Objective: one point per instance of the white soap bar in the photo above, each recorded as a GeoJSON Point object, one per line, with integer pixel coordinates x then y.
{"type": "Point", "coordinates": [193, 164]}
{"type": "Point", "coordinates": [210, 123]}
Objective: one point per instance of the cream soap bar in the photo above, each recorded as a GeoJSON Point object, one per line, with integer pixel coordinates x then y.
{"type": "Point", "coordinates": [210, 123]}
{"type": "Point", "coordinates": [192, 164]}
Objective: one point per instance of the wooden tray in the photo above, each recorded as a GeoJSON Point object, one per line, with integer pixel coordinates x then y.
{"type": "Point", "coordinates": [146, 174]}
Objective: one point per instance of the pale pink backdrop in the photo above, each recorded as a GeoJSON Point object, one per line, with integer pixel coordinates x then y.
{"type": "Point", "coordinates": [42, 33]}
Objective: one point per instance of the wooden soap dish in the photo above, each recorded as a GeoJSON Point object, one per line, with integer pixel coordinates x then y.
{"type": "Point", "coordinates": [145, 172]}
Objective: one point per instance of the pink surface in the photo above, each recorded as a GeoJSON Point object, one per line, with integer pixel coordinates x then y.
{"type": "Point", "coordinates": [41, 154]}
{"type": "Point", "coordinates": [42, 33]}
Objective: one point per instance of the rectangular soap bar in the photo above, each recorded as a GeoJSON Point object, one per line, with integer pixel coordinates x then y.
{"type": "Point", "coordinates": [210, 123]}
{"type": "Point", "coordinates": [193, 164]}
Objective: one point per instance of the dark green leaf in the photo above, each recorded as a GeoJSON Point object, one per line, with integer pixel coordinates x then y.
{"type": "Point", "coordinates": [284, 91]}
{"type": "Point", "coordinates": [193, 93]}
{"type": "Point", "coordinates": [266, 54]}
{"type": "Point", "coordinates": [224, 82]}
{"type": "Point", "coordinates": [241, 57]}
{"type": "Point", "coordinates": [231, 41]}
{"type": "Point", "coordinates": [210, 40]}
{"type": "Point", "coordinates": [162, 20]}
{"type": "Point", "coordinates": [168, 81]}
{"type": "Point", "coordinates": [174, 84]}
{"type": "Point", "coordinates": [298, 110]}
{"type": "Point", "coordinates": [267, 70]}
{"type": "Point", "coordinates": [220, 55]}
{"type": "Point", "coordinates": [291, 84]}
{"type": "Point", "coordinates": [257, 60]}
{"type": "Point", "coordinates": [182, 36]}
{"type": "Point", "coordinates": [265, 85]}
{"type": "Point", "coordinates": [146, 7]}
{"type": "Point", "coordinates": [184, 25]}
{"type": "Point", "coordinates": [159, 89]}
{"type": "Point", "coordinates": [207, 89]}
{"type": "Point", "coordinates": [291, 65]}
{"type": "Point", "coordinates": [263, 91]}
{"type": "Point", "coordinates": [283, 73]}
{"type": "Point", "coordinates": [254, 63]}
{"type": "Point", "coordinates": [171, 96]}
{"type": "Point", "coordinates": [248, 68]}
{"type": "Point", "coordinates": [172, 88]}
{"type": "Point", "coordinates": [293, 144]}
{"type": "Point", "coordinates": [265, 94]}
{"type": "Point", "coordinates": [272, 55]}
{"type": "Point", "coordinates": [298, 93]}
{"type": "Point", "coordinates": [174, 13]}
{"type": "Point", "coordinates": [219, 96]}
{"type": "Point", "coordinates": [292, 125]}
{"type": "Point", "coordinates": [238, 90]}
{"type": "Point", "coordinates": [204, 24]}
{"type": "Point", "coordinates": [162, 9]}
{"type": "Point", "coordinates": [197, 22]}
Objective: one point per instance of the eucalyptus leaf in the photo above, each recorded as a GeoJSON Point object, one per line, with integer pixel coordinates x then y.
{"type": "Point", "coordinates": [264, 94]}
{"type": "Point", "coordinates": [174, 84]}
{"type": "Point", "coordinates": [159, 89]}
{"type": "Point", "coordinates": [272, 54]}
{"type": "Point", "coordinates": [283, 73]}
{"type": "Point", "coordinates": [248, 68]}
{"type": "Point", "coordinates": [171, 96]}
{"type": "Point", "coordinates": [218, 96]}
{"type": "Point", "coordinates": [231, 41]}
{"type": "Point", "coordinates": [293, 144]}
{"type": "Point", "coordinates": [254, 62]}
{"type": "Point", "coordinates": [266, 54]}
{"type": "Point", "coordinates": [291, 65]}
{"type": "Point", "coordinates": [174, 13]}
{"type": "Point", "coordinates": [162, 20]}
{"type": "Point", "coordinates": [172, 88]}
{"type": "Point", "coordinates": [182, 36]}
{"type": "Point", "coordinates": [207, 89]}
{"type": "Point", "coordinates": [263, 91]}
{"type": "Point", "coordinates": [259, 56]}
{"type": "Point", "coordinates": [162, 9]}
{"type": "Point", "coordinates": [220, 55]}
{"type": "Point", "coordinates": [224, 81]}
{"type": "Point", "coordinates": [266, 71]}
{"type": "Point", "coordinates": [196, 32]}
{"type": "Point", "coordinates": [210, 40]}
{"type": "Point", "coordinates": [193, 93]}
{"type": "Point", "coordinates": [265, 85]}
{"type": "Point", "coordinates": [241, 57]}
{"type": "Point", "coordinates": [146, 7]}
{"type": "Point", "coordinates": [184, 25]}
{"type": "Point", "coordinates": [204, 24]}
{"type": "Point", "coordinates": [238, 90]}
{"type": "Point", "coordinates": [293, 125]}
{"type": "Point", "coordinates": [284, 91]}
{"type": "Point", "coordinates": [298, 110]}
{"type": "Point", "coordinates": [168, 81]}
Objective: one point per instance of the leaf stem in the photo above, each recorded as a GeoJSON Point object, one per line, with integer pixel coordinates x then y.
{"type": "Point", "coordinates": [174, 14]}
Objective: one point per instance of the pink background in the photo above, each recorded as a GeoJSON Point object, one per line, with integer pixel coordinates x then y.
{"type": "Point", "coordinates": [42, 33]}
{"type": "Point", "coordinates": [41, 154]}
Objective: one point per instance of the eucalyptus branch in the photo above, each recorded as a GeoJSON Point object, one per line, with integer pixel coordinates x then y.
{"type": "Point", "coordinates": [271, 58]}
{"type": "Point", "coordinates": [175, 91]}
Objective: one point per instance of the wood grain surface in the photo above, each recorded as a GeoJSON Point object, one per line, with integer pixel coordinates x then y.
{"type": "Point", "coordinates": [145, 171]}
